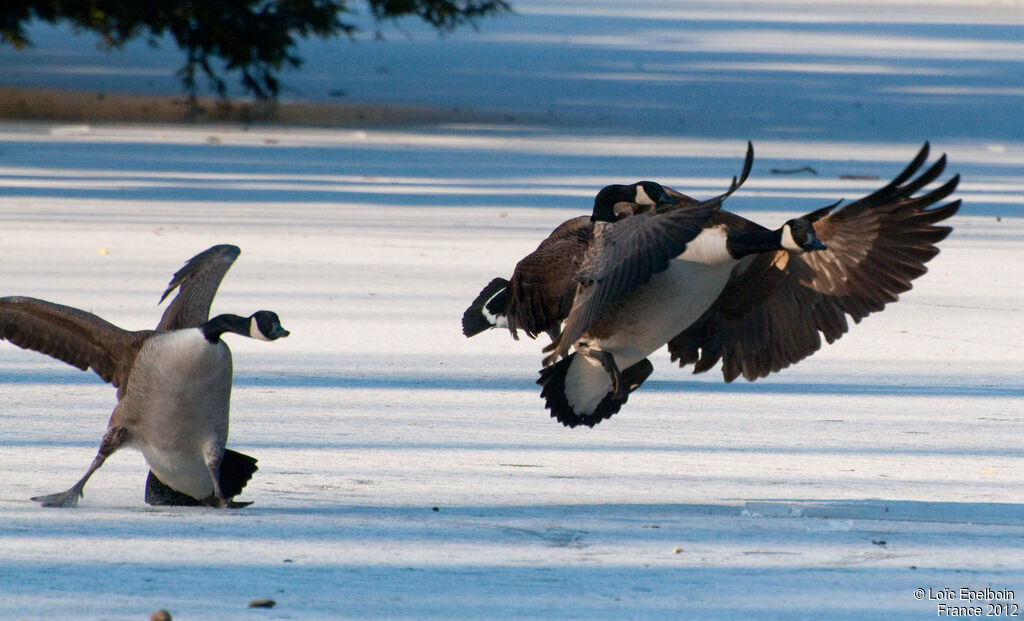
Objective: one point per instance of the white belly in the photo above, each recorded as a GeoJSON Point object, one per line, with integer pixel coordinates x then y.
{"type": "Point", "coordinates": [182, 396]}
{"type": "Point", "coordinates": [656, 312]}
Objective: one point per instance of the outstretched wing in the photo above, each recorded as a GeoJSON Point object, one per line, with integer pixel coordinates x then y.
{"type": "Point", "coordinates": [76, 337]}
{"type": "Point", "coordinates": [623, 256]}
{"type": "Point", "coordinates": [197, 283]}
{"type": "Point", "coordinates": [776, 306]}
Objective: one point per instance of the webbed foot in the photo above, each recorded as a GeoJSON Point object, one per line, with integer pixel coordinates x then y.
{"type": "Point", "coordinates": [221, 503]}
{"type": "Point", "coordinates": [65, 499]}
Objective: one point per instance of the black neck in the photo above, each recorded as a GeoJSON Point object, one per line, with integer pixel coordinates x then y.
{"type": "Point", "coordinates": [742, 243]}
{"type": "Point", "coordinates": [220, 324]}
{"type": "Point", "coordinates": [603, 213]}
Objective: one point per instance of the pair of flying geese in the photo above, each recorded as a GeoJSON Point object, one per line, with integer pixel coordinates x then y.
{"type": "Point", "coordinates": [649, 266]}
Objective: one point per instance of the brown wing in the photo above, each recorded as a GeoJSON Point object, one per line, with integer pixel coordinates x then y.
{"type": "Point", "coordinates": [623, 256]}
{"type": "Point", "coordinates": [542, 286]}
{"type": "Point", "coordinates": [776, 306]}
{"type": "Point", "coordinates": [197, 283]}
{"type": "Point", "coordinates": [76, 337]}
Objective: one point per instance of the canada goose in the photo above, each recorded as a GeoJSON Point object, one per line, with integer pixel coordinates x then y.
{"type": "Point", "coordinates": [753, 297]}
{"type": "Point", "coordinates": [173, 384]}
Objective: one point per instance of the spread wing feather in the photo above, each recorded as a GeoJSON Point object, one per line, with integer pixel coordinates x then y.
{"type": "Point", "coordinates": [76, 337]}
{"type": "Point", "coordinates": [777, 306]}
{"type": "Point", "coordinates": [197, 284]}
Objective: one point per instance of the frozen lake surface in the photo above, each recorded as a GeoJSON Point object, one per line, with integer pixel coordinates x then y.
{"type": "Point", "coordinates": [409, 473]}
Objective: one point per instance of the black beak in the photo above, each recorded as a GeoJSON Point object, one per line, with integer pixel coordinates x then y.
{"type": "Point", "coordinates": [278, 332]}
{"type": "Point", "coordinates": [666, 200]}
{"type": "Point", "coordinates": [815, 244]}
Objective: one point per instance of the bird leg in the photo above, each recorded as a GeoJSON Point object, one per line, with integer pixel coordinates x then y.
{"type": "Point", "coordinates": [113, 439]}
{"type": "Point", "coordinates": [214, 455]}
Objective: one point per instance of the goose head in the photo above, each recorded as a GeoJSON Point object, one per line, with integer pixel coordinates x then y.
{"type": "Point", "coordinates": [266, 326]}
{"type": "Point", "coordinates": [262, 325]}
{"type": "Point", "coordinates": [798, 236]}
{"type": "Point", "coordinates": [642, 193]}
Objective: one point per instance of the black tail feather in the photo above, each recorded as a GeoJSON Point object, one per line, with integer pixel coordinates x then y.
{"type": "Point", "coordinates": [236, 470]}
{"type": "Point", "coordinates": [552, 382]}
{"type": "Point", "coordinates": [160, 495]}
{"type": "Point", "coordinates": [493, 299]}
{"type": "Point", "coordinates": [634, 376]}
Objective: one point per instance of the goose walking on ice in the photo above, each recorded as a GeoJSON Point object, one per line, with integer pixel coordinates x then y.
{"type": "Point", "coordinates": [173, 384]}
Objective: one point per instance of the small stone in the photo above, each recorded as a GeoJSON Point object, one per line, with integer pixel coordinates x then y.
{"type": "Point", "coordinates": [262, 603]}
{"type": "Point", "coordinates": [677, 550]}
{"type": "Point", "coordinates": [160, 615]}
{"type": "Point", "coordinates": [103, 252]}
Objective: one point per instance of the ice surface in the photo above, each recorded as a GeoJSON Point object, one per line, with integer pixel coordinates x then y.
{"type": "Point", "coordinates": [886, 462]}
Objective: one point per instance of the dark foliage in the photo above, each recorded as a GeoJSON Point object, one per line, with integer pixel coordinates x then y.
{"type": "Point", "coordinates": [254, 37]}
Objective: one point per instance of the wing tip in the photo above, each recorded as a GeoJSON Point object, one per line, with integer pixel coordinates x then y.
{"type": "Point", "coordinates": [225, 253]}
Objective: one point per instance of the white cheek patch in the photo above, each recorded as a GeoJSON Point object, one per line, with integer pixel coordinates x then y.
{"type": "Point", "coordinates": [641, 197]}
{"type": "Point", "coordinates": [787, 240]}
{"type": "Point", "coordinates": [254, 330]}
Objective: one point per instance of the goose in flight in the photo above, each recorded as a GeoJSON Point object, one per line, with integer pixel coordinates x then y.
{"type": "Point", "coordinates": [755, 298]}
